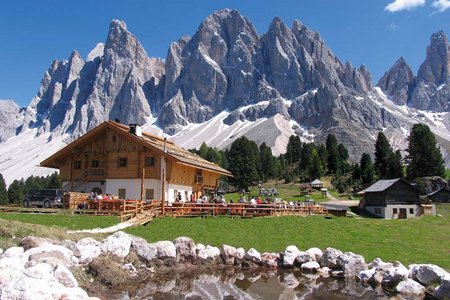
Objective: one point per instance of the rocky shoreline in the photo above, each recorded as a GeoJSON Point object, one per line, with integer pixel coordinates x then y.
{"type": "Point", "coordinates": [48, 269]}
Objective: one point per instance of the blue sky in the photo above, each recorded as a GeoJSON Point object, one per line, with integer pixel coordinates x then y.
{"type": "Point", "coordinates": [371, 32]}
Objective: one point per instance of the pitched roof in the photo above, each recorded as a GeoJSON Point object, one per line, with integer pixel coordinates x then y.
{"type": "Point", "coordinates": [437, 191]}
{"type": "Point", "coordinates": [164, 147]}
{"type": "Point", "coordinates": [384, 184]}
{"type": "Point", "coordinates": [317, 181]}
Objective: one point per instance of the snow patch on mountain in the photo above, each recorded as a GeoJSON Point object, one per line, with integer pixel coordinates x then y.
{"type": "Point", "coordinates": [21, 155]}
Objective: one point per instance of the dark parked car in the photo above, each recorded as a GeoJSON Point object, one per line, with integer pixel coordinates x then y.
{"type": "Point", "coordinates": [45, 198]}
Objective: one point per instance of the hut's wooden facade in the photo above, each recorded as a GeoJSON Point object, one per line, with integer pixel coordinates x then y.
{"type": "Point", "coordinates": [121, 160]}
{"type": "Point", "coordinates": [392, 199]}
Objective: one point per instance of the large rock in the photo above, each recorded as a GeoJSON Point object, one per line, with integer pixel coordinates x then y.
{"type": "Point", "coordinates": [270, 260]}
{"type": "Point", "coordinates": [351, 264]}
{"type": "Point", "coordinates": [50, 254]}
{"type": "Point", "coordinates": [290, 254]}
{"type": "Point", "coordinates": [13, 252]}
{"type": "Point", "coordinates": [145, 251]}
{"type": "Point", "coordinates": [117, 244]}
{"type": "Point", "coordinates": [303, 257]}
{"type": "Point", "coordinates": [88, 249]}
{"type": "Point", "coordinates": [392, 276]}
{"type": "Point", "coordinates": [65, 277]}
{"type": "Point", "coordinates": [228, 254]}
{"type": "Point", "coordinates": [310, 267]}
{"type": "Point", "coordinates": [165, 250]}
{"type": "Point", "coordinates": [253, 255]}
{"type": "Point", "coordinates": [40, 271]}
{"type": "Point", "coordinates": [315, 253]}
{"type": "Point", "coordinates": [185, 248]}
{"type": "Point", "coordinates": [443, 290]}
{"type": "Point", "coordinates": [330, 258]}
{"type": "Point", "coordinates": [427, 274]}
{"type": "Point", "coordinates": [208, 252]}
{"type": "Point", "coordinates": [410, 287]}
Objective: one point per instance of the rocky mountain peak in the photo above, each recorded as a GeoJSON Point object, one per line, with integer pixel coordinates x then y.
{"type": "Point", "coordinates": [436, 67]}
{"type": "Point", "coordinates": [398, 81]}
{"type": "Point", "coordinates": [430, 89]}
{"type": "Point", "coordinates": [121, 43]}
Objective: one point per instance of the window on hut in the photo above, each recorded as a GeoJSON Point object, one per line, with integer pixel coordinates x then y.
{"type": "Point", "coordinates": [149, 194]}
{"type": "Point", "coordinates": [122, 193]}
{"type": "Point", "coordinates": [77, 164]}
{"type": "Point", "coordinates": [123, 162]}
{"type": "Point", "coordinates": [149, 161]}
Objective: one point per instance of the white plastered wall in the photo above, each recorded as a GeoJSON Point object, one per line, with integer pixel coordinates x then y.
{"type": "Point", "coordinates": [133, 187]}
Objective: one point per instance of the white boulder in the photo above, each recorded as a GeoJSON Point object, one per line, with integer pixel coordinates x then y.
{"type": "Point", "coordinates": [410, 287]}
{"type": "Point", "coordinates": [253, 255]}
{"type": "Point", "coordinates": [228, 254]}
{"type": "Point", "coordinates": [290, 254]}
{"type": "Point", "coordinates": [40, 271]}
{"type": "Point", "coordinates": [427, 274]}
{"type": "Point", "coordinates": [185, 248]}
{"type": "Point", "coordinates": [330, 257]}
{"type": "Point", "coordinates": [240, 253]}
{"type": "Point", "coordinates": [303, 257]}
{"type": "Point", "coordinates": [88, 249]}
{"type": "Point", "coordinates": [392, 276]}
{"type": "Point", "coordinates": [117, 244]}
{"type": "Point", "coordinates": [351, 264]}
{"type": "Point", "coordinates": [145, 251]}
{"type": "Point", "coordinates": [270, 260]}
{"type": "Point", "coordinates": [208, 252]}
{"type": "Point", "coordinates": [13, 252]}
{"type": "Point", "coordinates": [310, 267]}
{"type": "Point", "coordinates": [65, 277]}
{"type": "Point", "coordinates": [315, 253]}
{"type": "Point", "coordinates": [165, 250]}
{"type": "Point", "coordinates": [50, 252]}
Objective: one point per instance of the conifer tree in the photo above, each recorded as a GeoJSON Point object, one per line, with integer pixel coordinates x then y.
{"type": "Point", "coordinates": [293, 150]}
{"type": "Point", "coordinates": [54, 181]}
{"type": "Point", "coordinates": [16, 191]}
{"type": "Point", "coordinates": [367, 169]}
{"type": "Point", "coordinates": [267, 162]}
{"type": "Point", "coordinates": [424, 157]}
{"type": "Point", "coordinates": [387, 162]}
{"type": "Point", "coordinates": [314, 167]}
{"type": "Point", "coordinates": [332, 149]}
{"type": "Point", "coordinates": [243, 163]}
{"type": "Point", "coordinates": [3, 191]}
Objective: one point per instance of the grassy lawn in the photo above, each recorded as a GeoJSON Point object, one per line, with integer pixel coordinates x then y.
{"type": "Point", "coordinates": [68, 221]}
{"type": "Point", "coordinates": [422, 240]}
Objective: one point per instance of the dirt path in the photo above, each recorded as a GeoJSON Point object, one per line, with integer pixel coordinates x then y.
{"type": "Point", "coordinates": [336, 201]}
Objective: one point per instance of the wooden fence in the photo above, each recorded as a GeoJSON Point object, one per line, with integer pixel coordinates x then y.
{"type": "Point", "coordinates": [240, 209]}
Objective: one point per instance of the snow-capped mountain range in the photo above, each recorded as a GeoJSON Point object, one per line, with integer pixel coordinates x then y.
{"type": "Point", "coordinates": [224, 82]}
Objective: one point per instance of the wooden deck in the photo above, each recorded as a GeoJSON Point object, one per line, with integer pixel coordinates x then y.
{"type": "Point", "coordinates": [145, 211]}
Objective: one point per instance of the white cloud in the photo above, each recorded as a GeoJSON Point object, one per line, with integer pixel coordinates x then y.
{"type": "Point", "coordinates": [441, 5]}
{"type": "Point", "coordinates": [399, 5]}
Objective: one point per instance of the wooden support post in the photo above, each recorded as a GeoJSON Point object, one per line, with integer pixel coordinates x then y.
{"type": "Point", "coordinates": [142, 184]}
{"type": "Point", "coordinates": [163, 192]}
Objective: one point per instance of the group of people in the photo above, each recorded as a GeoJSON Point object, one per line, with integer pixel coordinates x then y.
{"type": "Point", "coordinates": [214, 198]}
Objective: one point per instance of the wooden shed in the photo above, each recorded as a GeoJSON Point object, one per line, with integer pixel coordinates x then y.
{"type": "Point", "coordinates": [392, 199]}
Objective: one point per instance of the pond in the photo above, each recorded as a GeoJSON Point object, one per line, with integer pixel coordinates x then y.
{"type": "Point", "coordinates": [231, 284]}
